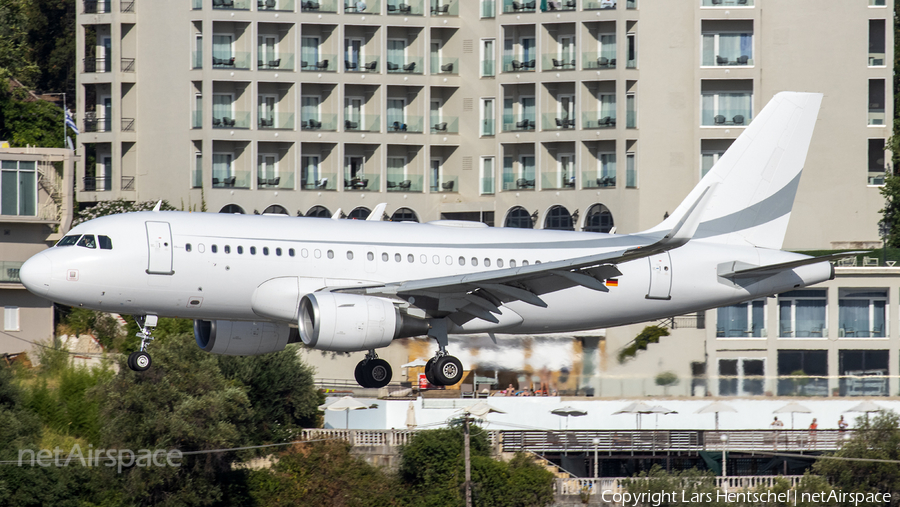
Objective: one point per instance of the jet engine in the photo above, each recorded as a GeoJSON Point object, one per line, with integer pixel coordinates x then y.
{"type": "Point", "coordinates": [352, 322]}
{"type": "Point", "coordinates": [234, 338]}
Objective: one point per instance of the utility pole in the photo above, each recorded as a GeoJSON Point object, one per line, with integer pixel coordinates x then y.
{"type": "Point", "coordinates": [468, 462]}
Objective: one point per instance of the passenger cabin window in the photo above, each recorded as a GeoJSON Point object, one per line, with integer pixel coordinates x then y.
{"type": "Point", "coordinates": [278, 252]}
{"type": "Point", "coordinates": [88, 241]}
{"type": "Point", "coordinates": [187, 247]}
{"type": "Point", "coordinates": [266, 250]}
{"type": "Point", "coordinates": [68, 240]}
{"type": "Point", "coordinates": [240, 249]}
{"type": "Point", "coordinates": [214, 248]}
{"type": "Point", "coordinates": [291, 252]}
{"type": "Point", "coordinates": [252, 250]}
{"type": "Point", "coordinates": [227, 248]}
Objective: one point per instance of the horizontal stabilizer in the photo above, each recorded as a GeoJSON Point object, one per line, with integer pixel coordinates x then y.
{"type": "Point", "coordinates": [743, 270]}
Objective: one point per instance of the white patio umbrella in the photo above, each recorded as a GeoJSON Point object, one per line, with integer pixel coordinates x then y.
{"type": "Point", "coordinates": [568, 411]}
{"type": "Point", "coordinates": [659, 409]}
{"type": "Point", "coordinates": [716, 407]}
{"type": "Point", "coordinates": [637, 408]}
{"type": "Point", "coordinates": [416, 363]}
{"type": "Point", "coordinates": [411, 416]}
{"type": "Point", "coordinates": [793, 407]}
{"type": "Point", "coordinates": [866, 407]}
{"type": "Point", "coordinates": [481, 409]}
{"type": "Point", "coordinates": [347, 403]}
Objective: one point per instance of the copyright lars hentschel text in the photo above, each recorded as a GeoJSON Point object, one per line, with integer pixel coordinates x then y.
{"type": "Point", "coordinates": [756, 497]}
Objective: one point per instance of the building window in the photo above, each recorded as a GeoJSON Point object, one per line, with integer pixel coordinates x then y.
{"type": "Point", "coordinates": [711, 150]}
{"type": "Point", "coordinates": [876, 102]}
{"type": "Point", "coordinates": [11, 318]}
{"type": "Point", "coordinates": [487, 176]}
{"type": "Point", "coordinates": [876, 162]}
{"type": "Point", "coordinates": [488, 122]}
{"type": "Point", "coordinates": [726, 103]}
{"type": "Point", "coordinates": [727, 43]}
{"type": "Point", "coordinates": [559, 218]}
{"type": "Point", "coordinates": [630, 170]}
{"type": "Point", "coordinates": [18, 188]}
{"type": "Point", "coordinates": [518, 218]}
{"type": "Point", "coordinates": [632, 51]}
{"type": "Point", "coordinates": [861, 313]}
{"type": "Point", "coordinates": [742, 320]}
{"type": "Point", "coordinates": [876, 42]}
{"type": "Point", "coordinates": [232, 209]}
{"type": "Point", "coordinates": [404, 215]}
{"type": "Point", "coordinates": [318, 212]}
{"type": "Point", "coordinates": [803, 313]}
{"type": "Point", "coordinates": [802, 373]}
{"type": "Point", "coordinates": [741, 377]}
{"type": "Point", "coordinates": [598, 219]}
{"type": "Point", "coordinates": [488, 60]}
{"type": "Point", "coordinates": [360, 213]}
{"type": "Point", "coordinates": [863, 372]}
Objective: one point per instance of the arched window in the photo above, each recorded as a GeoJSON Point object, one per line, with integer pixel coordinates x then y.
{"type": "Point", "coordinates": [518, 218]}
{"type": "Point", "coordinates": [318, 212]}
{"type": "Point", "coordinates": [232, 208]}
{"type": "Point", "coordinates": [275, 210]}
{"type": "Point", "coordinates": [404, 215]}
{"type": "Point", "coordinates": [559, 218]}
{"type": "Point", "coordinates": [360, 213]}
{"type": "Point", "coordinates": [598, 219]}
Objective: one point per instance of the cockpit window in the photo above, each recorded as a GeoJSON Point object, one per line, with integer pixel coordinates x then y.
{"type": "Point", "coordinates": [105, 242]}
{"type": "Point", "coordinates": [88, 241]}
{"type": "Point", "coordinates": [69, 240]}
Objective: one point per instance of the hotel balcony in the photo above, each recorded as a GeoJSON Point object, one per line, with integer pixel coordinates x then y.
{"type": "Point", "coordinates": [234, 120]}
{"type": "Point", "coordinates": [275, 121]}
{"type": "Point", "coordinates": [363, 123]}
{"type": "Point", "coordinates": [408, 183]}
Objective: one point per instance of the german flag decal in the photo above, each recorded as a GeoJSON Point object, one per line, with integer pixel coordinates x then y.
{"type": "Point", "coordinates": [612, 282]}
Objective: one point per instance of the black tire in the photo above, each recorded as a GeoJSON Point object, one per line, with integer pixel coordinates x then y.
{"type": "Point", "coordinates": [447, 371]}
{"type": "Point", "coordinates": [360, 374]}
{"type": "Point", "coordinates": [429, 372]}
{"type": "Point", "coordinates": [378, 372]}
{"type": "Point", "coordinates": [140, 361]}
{"type": "Point", "coordinates": [131, 362]}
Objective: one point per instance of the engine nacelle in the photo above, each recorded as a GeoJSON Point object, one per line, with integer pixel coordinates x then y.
{"type": "Point", "coordinates": [352, 322]}
{"type": "Point", "coordinates": [237, 338]}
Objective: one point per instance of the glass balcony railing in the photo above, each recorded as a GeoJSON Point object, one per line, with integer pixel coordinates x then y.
{"type": "Point", "coordinates": [553, 61]}
{"type": "Point", "coordinates": [444, 8]}
{"type": "Point", "coordinates": [197, 119]}
{"type": "Point", "coordinates": [631, 4]}
{"type": "Point", "coordinates": [517, 6]}
{"type": "Point", "coordinates": [518, 125]}
{"type": "Point", "coordinates": [602, 179]}
{"type": "Point", "coordinates": [197, 178]}
{"type": "Point", "coordinates": [275, 5]}
{"type": "Point", "coordinates": [594, 120]}
{"type": "Point", "coordinates": [319, 181]}
{"type": "Point", "coordinates": [556, 121]}
{"type": "Point", "coordinates": [720, 117]}
{"type": "Point", "coordinates": [726, 59]}
{"type": "Point", "coordinates": [318, 6]}
{"type": "Point", "coordinates": [284, 61]}
{"type": "Point", "coordinates": [631, 178]}
{"type": "Point", "coordinates": [237, 179]}
{"type": "Point", "coordinates": [281, 181]}
{"type": "Point", "coordinates": [239, 60]}
{"type": "Point", "coordinates": [367, 64]}
{"type": "Point", "coordinates": [487, 185]}
{"type": "Point", "coordinates": [408, 124]}
{"type": "Point", "coordinates": [98, 183]}
{"type": "Point", "coordinates": [97, 6]}
{"type": "Point", "coordinates": [406, 7]}
{"type": "Point", "coordinates": [196, 4]}
{"type": "Point", "coordinates": [408, 65]}
{"type": "Point", "coordinates": [234, 5]}
{"type": "Point", "coordinates": [444, 65]}
{"type": "Point", "coordinates": [557, 180]}
{"type": "Point", "coordinates": [408, 183]}
{"type": "Point", "coordinates": [592, 5]}
{"type": "Point", "coordinates": [594, 60]}
{"type": "Point", "coordinates": [446, 185]}
{"type": "Point", "coordinates": [325, 122]}
{"type": "Point", "coordinates": [197, 59]}
{"type": "Point", "coordinates": [631, 119]}
{"type": "Point", "coordinates": [560, 5]}
{"type": "Point", "coordinates": [237, 120]}
{"type": "Point", "coordinates": [728, 3]}
{"type": "Point", "coordinates": [362, 6]}
{"type": "Point", "coordinates": [446, 125]}
{"type": "Point", "coordinates": [489, 68]}
{"type": "Point", "coordinates": [368, 183]}
{"type": "Point", "coordinates": [9, 271]}
{"type": "Point", "coordinates": [512, 181]}
{"type": "Point", "coordinates": [284, 121]}
{"type": "Point", "coordinates": [488, 127]}
{"type": "Point", "coordinates": [363, 123]}
{"type": "Point", "coordinates": [324, 63]}
{"type": "Point", "coordinates": [511, 64]}
{"type": "Point", "coordinates": [488, 8]}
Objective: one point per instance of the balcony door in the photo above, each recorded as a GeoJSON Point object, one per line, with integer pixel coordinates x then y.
{"type": "Point", "coordinates": [396, 170]}
{"type": "Point", "coordinates": [396, 112]}
{"type": "Point", "coordinates": [528, 53]}
{"type": "Point", "coordinates": [105, 109]}
{"type": "Point", "coordinates": [309, 108]}
{"type": "Point", "coordinates": [566, 171]}
{"type": "Point", "coordinates": [353, 54]}
{"type": "Point", "coordinates": [267, 168]}
{"type": "Point", "coordinates": [436, 176]}
{"type": "Point", "coordinates": [105, 55]}
{"type": "Point", "coordinates": [267, 108]}
{"type": "Point", "coordinates": [396, 53]}
{"type": "Point", "coordinates": [567, 49]}
{"type": "Point", "coordinates": [526, 168]}
{"type": "Point", "coordinates": [355, 168]}
{"type": "Point", "coordinates": [104, 175]}
{"type": "Point", "coordinates": [353, 112]}
{"type": "Point", "coordinates": [266, 50]}
{"type": "Point", "coordinates": [435, 112]}
{"type": "Point", "coordinates": [222, 48]}
{"type": "Point", "coordinates": [436, 46]}
{"type": "Point", "coordinates": [566, 107]}
{"type": "Point", "coordinates": [527, 104]}
{"type": "Point", "coordinates": [309, 52]}
{"type": "Point", "coordinates": [309, 171]}
{"type": "Point", "coordinates": [223, 104]}
{"type": "Point", "coordinates": [222, 168]}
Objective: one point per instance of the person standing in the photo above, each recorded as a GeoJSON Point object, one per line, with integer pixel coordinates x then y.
{"type": "Point", "coordinates": [776, 425]}
{"type": "Point", "coordinates": [842, 425]}
{"type": "Point", "coordinates": [813, 426]}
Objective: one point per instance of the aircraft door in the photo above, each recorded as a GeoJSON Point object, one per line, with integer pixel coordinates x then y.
{"type": "Point", "coordinates": [159, 242]}
{"type": "Point", "coordinates": [660, 276]}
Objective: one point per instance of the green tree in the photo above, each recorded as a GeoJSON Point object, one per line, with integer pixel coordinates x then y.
{"type": "Point", "coordinates": [650, 334]}
{"type": "Point", "coordinates": [15, 54]}
{"type": "Point", "coordinates": [890, 214]}
{"type": "Point", "coordinates": [104, 208]}
{"type": "Point", "coordinates": [24, 120]}
{"type": "Point", "coordinates": [50, 27]}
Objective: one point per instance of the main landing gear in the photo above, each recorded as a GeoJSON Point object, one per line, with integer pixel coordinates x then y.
{"type": "Point", "coordinates": [140, 360]}
{"type": "Point", "coordinates": [373, 372]}
{"type": "Point", "coordinates": [442, 369]}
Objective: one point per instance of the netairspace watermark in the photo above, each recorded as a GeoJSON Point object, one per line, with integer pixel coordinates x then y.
{"type": "Point", "coordinates": [791, 497]}
{"type": "Point", "coordinates": [119, 458]}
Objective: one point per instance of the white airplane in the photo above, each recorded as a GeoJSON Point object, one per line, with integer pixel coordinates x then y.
{"type": "Point", "coordinates": [253, 284]}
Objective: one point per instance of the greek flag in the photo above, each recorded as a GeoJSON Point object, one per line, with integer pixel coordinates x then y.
{"type": "Point", "coordinates": [71, 123]}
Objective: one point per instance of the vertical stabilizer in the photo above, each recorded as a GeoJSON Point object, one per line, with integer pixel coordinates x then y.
{"type": "Point", "coordinates": [754, 183]}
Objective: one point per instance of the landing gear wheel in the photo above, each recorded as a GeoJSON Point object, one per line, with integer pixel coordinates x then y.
{"type": "Point", "coordinates": [378, 372]}
{"type": "Point", "coordinates": [447, 370]}
{"type": "Point", "coordinates": [139, 361]}
{"type": "Point", "coordinates": [429, 372]}
{"type": "Point", "coordinates": [360, 374]}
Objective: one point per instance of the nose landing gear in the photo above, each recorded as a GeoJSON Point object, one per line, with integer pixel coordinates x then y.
{"type": "Point", "coordinates": [140, 360]}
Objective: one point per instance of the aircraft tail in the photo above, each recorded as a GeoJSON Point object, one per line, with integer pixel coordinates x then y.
{"type": "Point", "coordinates": [753, 185]}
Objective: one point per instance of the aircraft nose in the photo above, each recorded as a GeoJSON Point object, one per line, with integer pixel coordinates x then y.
{"type": "Point", "coordinates": [35, 274]}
